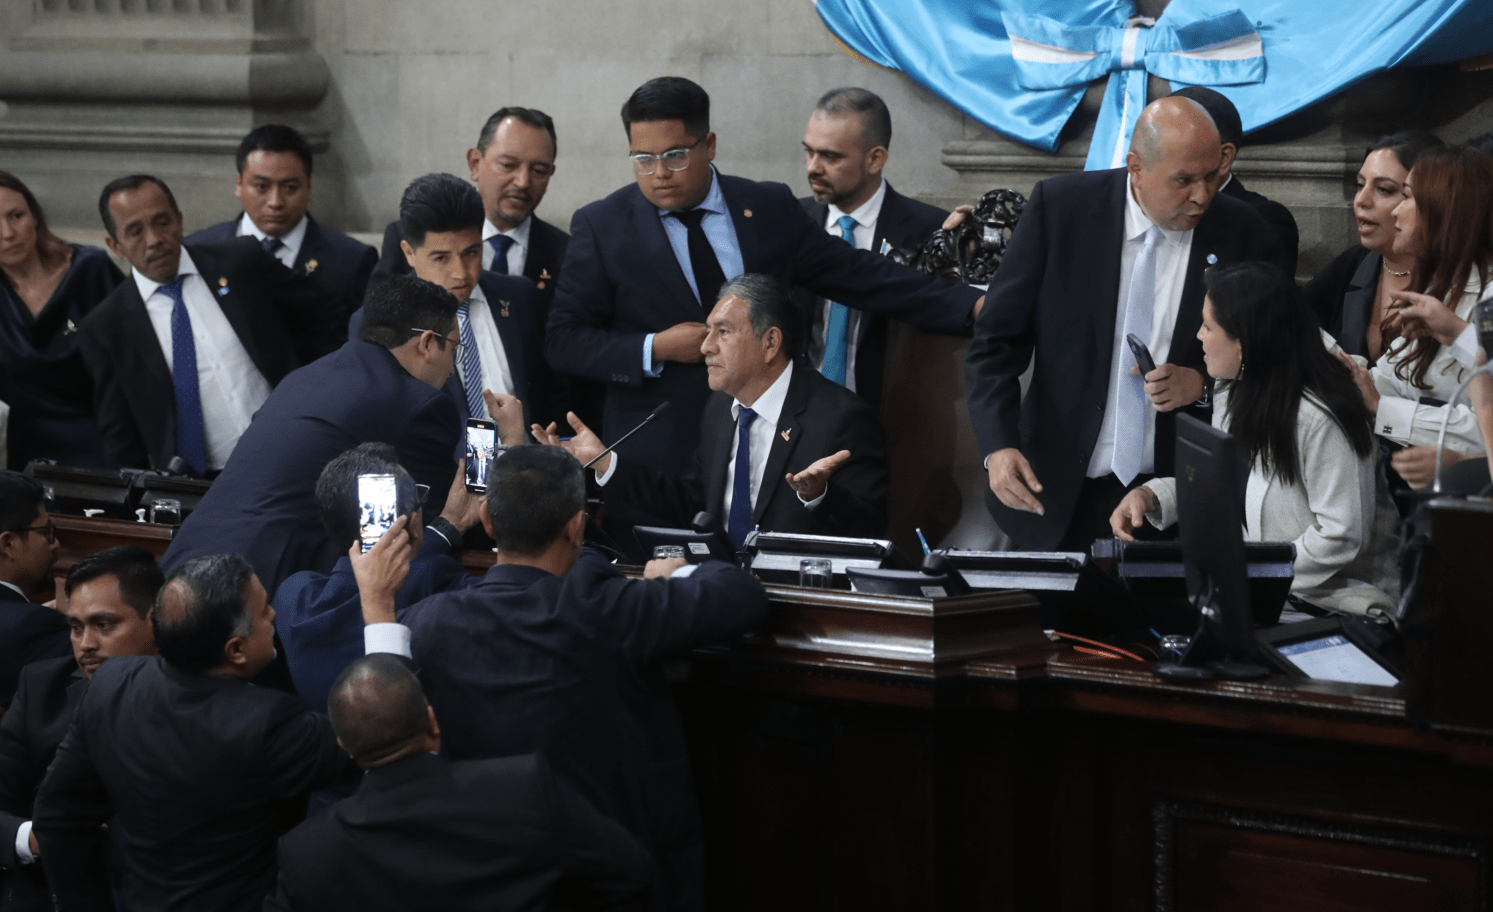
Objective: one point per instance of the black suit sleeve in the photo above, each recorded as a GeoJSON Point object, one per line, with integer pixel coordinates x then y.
{"type": "Point", "coordinates": [428, 449]}
{"type": "Point", "coordinates": [600, 863]}
{"type": "Point", "coordinates": [18, 776]}
{"type": "Point", "coordinates": [124, 446]}
{"type": "Point", "coordinates": [301, 751]}
{"type": "Point", "coordinates": [579, 339]}
{"type": "Point", "coordinates": [659, 617]}
{"type": "Point", "coordinates": [669, 495]}
{"type": "Point", "coordinates": [855, 500]}
{"type": "Point", "coordinates": [71, 808]}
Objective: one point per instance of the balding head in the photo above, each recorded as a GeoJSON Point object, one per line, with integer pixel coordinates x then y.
{"type": "Point", "coordinates": [379, 712]}
{"type": "Point", "coordinates": [1174, 154]}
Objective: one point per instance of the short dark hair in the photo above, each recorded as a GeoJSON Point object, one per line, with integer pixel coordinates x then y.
{"type": "Point", "coordinates": [1225, 115]}
{"type": "Point", "coordinates": [439, 203]}
{"type": "Point", "coordinates": [21, 499]}
{"type": "Point", "coordinates": [1483, 142]}
{"type": "Point", "coordinates": [533, 491]}
{"type": "Point", "coordinates": [876, 120]}
{"type": "Point", "coordinates": [212, 607]}
{"type": "Point", "coordinates": [668, 98]}
{"type": "Point", "coordinates": [337, 489]}
{"type": "Point", "coordinates": [399, 304]}
{"type": "Point", "coordinates": [376, 706]}
{"type": "Point", "coordinates": [274, 138]}
{"type": "Point", "coordinates": [768, 305]}
{"type": "Point", "coordinates": [1407, 145]}
{"type": "Point", "coordinates": [140, 577]}
{"type": "Point", "coordinates": [531, 116]}
{"type": "Point", "coordinates": [130, 182]}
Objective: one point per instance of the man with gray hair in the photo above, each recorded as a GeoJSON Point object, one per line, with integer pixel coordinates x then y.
{"type": "Point", "coordinates": [200, 770]}
{"type": "Point", "coordinates": [425, 833]}
{"type": "Point", "coordinates": [845, 149]}
{"type": "Point", "coordinates": [773, 434]}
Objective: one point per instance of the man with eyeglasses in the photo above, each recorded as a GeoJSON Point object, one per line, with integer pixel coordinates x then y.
{"type": "Point", "coordinates": [641, 262]}
{"type": "Point", "coordinates": [384, 386]}
{"type": "Point", "coordinates": [28, 548]}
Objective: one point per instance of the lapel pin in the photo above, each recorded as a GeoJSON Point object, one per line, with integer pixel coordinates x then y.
{"type": "Point", "coordinates": [223, 283]}
{"type": "Point", "coordinates": [544, 276]}
{"type": "Point", "coordinates": [1212, 258]}
{"type": "Point", "coordinates": [504, 305]}
{"type": "Point", "coordinates": [786, 432]}
{"type": "Point", "coordinates": [311, 266]}
{"type": "Point", "coordinates": [747, 213]}
{"type": "Point", "coordinates": [70, 328]}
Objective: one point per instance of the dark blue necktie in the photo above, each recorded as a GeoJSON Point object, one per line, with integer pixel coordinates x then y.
{"type": "Point", "coordinates": [271, 243]}
{"type": "Point", "coordinates": [836, 329]}
{"type": "Point", "coordinates": [741, 485]}
{"type": "Point", "coordinates": [190, 441]}
{"type": "Point", "coordinates": [500, 244]}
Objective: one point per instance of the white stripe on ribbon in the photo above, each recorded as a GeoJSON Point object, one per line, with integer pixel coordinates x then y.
{"type": "Point", "coordinates": [1245, 47]}
{"type": "Point", "coordinates": [1127, 48]}
{"type": "Point", "coordinates": [1035, 52]}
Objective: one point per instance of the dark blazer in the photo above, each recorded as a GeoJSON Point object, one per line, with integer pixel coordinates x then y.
{"type": "Point", "coordinates": [203, 772]}
{"type": "Point", "coordinates": [1054, 300]}
{"type": "Point", "coordinates": [425, 833]}
{"type": "Point", "coordinates": [819, 418]}
{"type": "Point", "coordinates": [1342, 297]}
{"type": "Point", "coordinates": [551, 392]}
{"type": "Point", "coordinates": [526, 661]}
{"type": "Point", "coordinates": [1277, 216]}
{"type": "Point", "coordinates": [263, 506]}
{"type": "Point", "coordinates": [28, 633]}
{"type": "Point", "coordinates": [283, 320]}
{"type": "Point", "coordinates": [622, 281]}
{"type": "Point", "coordinates": [319, 616]}
{"type": "Point", "coordinates": [904, 223]}
{"type": "Point", "coordinates": [340, 263]}
{"type": "Point", "coordinates": [34, 725]}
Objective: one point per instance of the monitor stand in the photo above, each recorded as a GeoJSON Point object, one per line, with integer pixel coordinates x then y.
{"type": "Point", "coordinates": [1206, 659]}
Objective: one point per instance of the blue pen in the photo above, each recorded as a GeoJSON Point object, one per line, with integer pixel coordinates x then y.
{"type": "Point", "coordinates": [1155, 633]}
{"type": "Point", "coordinates": [926, 549]}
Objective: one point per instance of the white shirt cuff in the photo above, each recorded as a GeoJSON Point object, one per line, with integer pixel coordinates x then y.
{"type": "Point", "coordinates": [603, 477]}
{"type": "Point", "coordinates": [1395, 419]}
{"type": "Point", "coordinates": [1464, 349]}
{"type": "Point", "coordinates": [23, 843]}
{"type": "Point", "coordinates": [811, 504]}
{"type": "Point", "coordinates": [681, 573]}
{"type": "Point", "coordinates": [649, 369]}
{"type": "Point", "coordinates": [392, 638]}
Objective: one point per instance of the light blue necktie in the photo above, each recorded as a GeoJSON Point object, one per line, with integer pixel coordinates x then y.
{"type": "Point", "coordinates": [500, 244]}
{"type": "Point", "coordinates": [471, 364]}
{"type": "Point", "coordinates": [741, 484]}
{"type": "Point", "coordinates": [836, 335]}
{"type": "Point", "coordinates": [1130, 416]}
{"type": "Point", "coordinates": [191, 443]}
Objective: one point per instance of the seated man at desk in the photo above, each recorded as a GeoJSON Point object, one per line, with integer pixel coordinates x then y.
{"type": "Point", "coordinates": [781, 447]}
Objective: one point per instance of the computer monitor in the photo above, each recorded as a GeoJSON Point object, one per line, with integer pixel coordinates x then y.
{"type": "Point", "coordinates": [775, 556]}
{"type": "Point", "coordinates": [698, 546]}
{"type": "Point", "coordinates": [912, 583]}
{"type": "Point", "coordinates": [1210, 478]}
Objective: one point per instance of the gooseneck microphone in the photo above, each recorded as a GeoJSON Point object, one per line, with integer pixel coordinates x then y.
{"type": "Point", "coordinates": [662, 407]}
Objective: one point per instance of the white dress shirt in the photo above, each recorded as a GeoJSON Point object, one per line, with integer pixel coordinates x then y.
{"type": "Point", "coordinates": [290, 242]}
{"type": "Point", "coordinates": [865, 233]}
{"type": "Point", "coordinates": [518, 251]}
{"type": "Point", "coordinates": [231, 387]}
{"type": "Point", "coordinates": [1171, 272]}
{"type": "Point", "coordinates": [496, 374]}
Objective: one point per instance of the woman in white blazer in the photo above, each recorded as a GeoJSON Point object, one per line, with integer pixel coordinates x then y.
{"type": "Point", "coordinates": [1301, 423]}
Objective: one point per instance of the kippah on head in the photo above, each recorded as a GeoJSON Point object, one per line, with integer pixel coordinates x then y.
{"type": "Point", "coordinates": [376, 706]}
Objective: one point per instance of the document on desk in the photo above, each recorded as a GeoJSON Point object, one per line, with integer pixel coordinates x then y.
{"type": "Point", "coordinates": [1334, 658]}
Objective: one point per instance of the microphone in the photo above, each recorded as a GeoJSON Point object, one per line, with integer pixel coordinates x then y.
{"type": "Point", "coordinates": [1446, 418]}
{"type": "Point", "coordinates": [662, 407]}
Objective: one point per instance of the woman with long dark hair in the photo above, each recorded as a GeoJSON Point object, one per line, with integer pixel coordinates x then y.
{"type": "Point", "coordinates": [46, 288]}
{"type": "Point", "coordinates": [1298, 418]}
{"type": "Point", "coordinates": [1446, 223]}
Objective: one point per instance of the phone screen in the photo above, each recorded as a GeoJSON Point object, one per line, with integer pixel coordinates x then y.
{"type": "Point", "coordinates": [482, 437]}
{"type": "Point", "coordinates": [377, 506]}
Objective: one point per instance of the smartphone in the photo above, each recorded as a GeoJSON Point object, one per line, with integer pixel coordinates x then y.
{"type": "Point", "coordinates": [482, 439]}
{"type": "Point", "coordinates": [1142, 354]}
{"type": "Point", "coordinates": [1482, 318]}
{"type": "Point", "coordinates": [378, 509]}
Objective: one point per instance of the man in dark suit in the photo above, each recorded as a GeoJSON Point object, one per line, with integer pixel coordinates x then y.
{"type": "Point", "coordinates": [845, 148]}
{"type": "Point", "coordinates": [231, 311]}
{"type": "Point", "coordinates": [766, 400]}
{"type": "Point", "coordinates": [1231, 132]}
{"type": "Point", "coordinates": [318, 615]}
{"type": "Point", "coordinates": [274, 187]}
{"type": "Point", "coordinates": [641, 262]}
{"type": "Point", "coordinates": [512, 164]}
{"type": "Point", "coordinates": [440, 219]}
{"type": "Point", "coordinates": [28, 548]}
{"type": "Point", "coordinates": [109, 597]}
{"type": "Point", "coordinates": [425, 833]}
{"type": "Point", "coordinates": [385, 387]}
{"type": "Point", "coordinates": [201, 770]}
{"type": "Point", "coordinates": [556, 652]}
{"type": "Point", "coordinates": [1088, 429]}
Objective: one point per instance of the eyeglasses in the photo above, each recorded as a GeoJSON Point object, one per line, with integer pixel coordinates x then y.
{"type": "Point", "coordinates": [49, 532]}
{"type": "Point", "coordinates": [674, 159]}
{"type": "Point", "coordinates": [456, 342]}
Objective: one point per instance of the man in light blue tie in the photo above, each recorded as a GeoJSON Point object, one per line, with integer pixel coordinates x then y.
{"type": "Point", "coordinates": [1098, 256]}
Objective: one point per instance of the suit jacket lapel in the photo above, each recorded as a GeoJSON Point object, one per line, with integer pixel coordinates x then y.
{"type": "Point", "coordinates": [1190, 306]}
{"type": "Point", "coordinates": [313, 247]}
{"type": "Point", "coordinates": [788, 433]}
{"type": "Point", "coordinates": [229, 301]}
{"type": "Point", "coordinates": [1108, 216]}
{"type": "Point", "coordinates": [511, 332]}
{"type": "Point", "coordinates": [716, 452]}
{"type": "Point", "coordinates": [890, 222]}
{"type": "Point", "coordinates": [142, 355]}
{"type": "Point", "coordinates": [654, 246]}
{"type": "Point", "coordinates": [1358, 304]}
{"type": "Point", "coordinates": [739, 204]}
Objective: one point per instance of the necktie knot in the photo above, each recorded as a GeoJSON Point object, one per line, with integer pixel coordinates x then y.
{"type": "Point", "coordinates": [500, 244]}
{"type": "Point", "coordinates": [1153, 237]}
{"type": "Point", "coordinates": [745, 417]}
{"type": "Point", "coordinates": [271, 244]}
{"type": "Point", "coordinates": [690, 217]}
{"type": "Point", "coordinates": [847, 229]}
{"type": "Point", "coordinates": [172, 289]}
